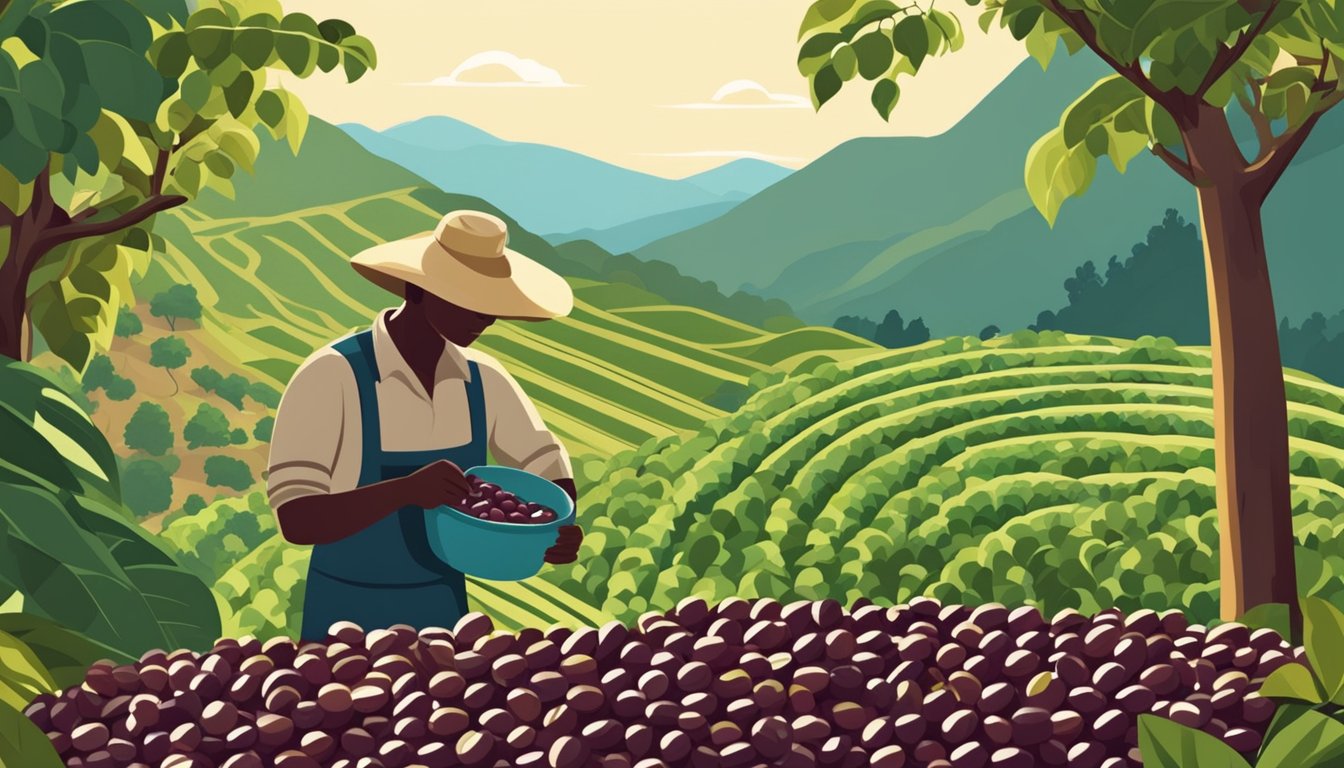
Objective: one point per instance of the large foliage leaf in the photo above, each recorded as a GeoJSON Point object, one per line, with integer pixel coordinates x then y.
{"type": "Point", "coordinates": [1301, 737]}
{"type": "Point", "coordinates": [65, 653]}
{"type": "Point", "coordinates": [1168, 744]}
{"type": "Point", "coordinates": [23, 744]}
{"type": "Point", "coordinates": [65, 542]}
{"type": "Point", "coordinates": [1055, 172]}
{"type": "Point", "coordinates": [1323, 636]}
{"type": "Point", "coordinates": [22, 674]}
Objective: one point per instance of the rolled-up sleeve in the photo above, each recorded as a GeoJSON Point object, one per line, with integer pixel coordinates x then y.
{"type": "Point", "coordinates": [310, 427]}
{"type": "Point", "coordinates": [518, 436]}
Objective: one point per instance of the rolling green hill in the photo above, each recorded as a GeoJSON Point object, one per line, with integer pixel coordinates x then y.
{"type": "Point", "coordinates": [1060, 471]}
{"type": "Point", "coordinates": [942, 227]}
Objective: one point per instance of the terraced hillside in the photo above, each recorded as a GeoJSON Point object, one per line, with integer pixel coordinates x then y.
{"type": "Point", "coordinates": [1053, 470]}
{"type": "Point", "coordinates": [277, 287]}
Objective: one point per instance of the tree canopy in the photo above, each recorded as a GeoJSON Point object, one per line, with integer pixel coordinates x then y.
{"type": "Point", "coordinates": [178, 302]}
{"type": "Point", "coordinates": [114, 111]}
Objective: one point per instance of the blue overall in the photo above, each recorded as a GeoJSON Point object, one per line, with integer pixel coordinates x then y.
{"type": "Point", "coordinates": [386, 574]}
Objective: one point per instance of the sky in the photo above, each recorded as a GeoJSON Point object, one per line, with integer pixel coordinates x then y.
{"type": "Point", "coordinates": [668, 88]}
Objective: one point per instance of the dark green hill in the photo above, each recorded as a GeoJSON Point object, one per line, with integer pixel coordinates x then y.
{"type": "Point", "coordinates": [942, 227]}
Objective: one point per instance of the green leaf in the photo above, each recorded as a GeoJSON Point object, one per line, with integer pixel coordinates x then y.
{"type": "Point", "coordinates": [254, 46]}
{"type": "Point", "coordinates": [1292, 681]}
{"type": "Point", "coordinates": [238, 95]}
{"type": "Point", "coordinates": [23, 744]}
{"type": "Point", "coordinates": [303, 23]}
{"type": "Point", "coordinates": [171, 54]}
{"type": "Point", "coordinates": [1098, 106]}
{"type": "Point", "coordinates": [846, 62]}
{"type": "Point", "coordinates": [335, 30]}
{"type": "Point", "coordinates": [354, 67]}
{"type": "Point", "coordinates": [163, 12]}
{"type": "Point", "coordinates": [886, 93]}
{"type": "Point", "coordinates": [1268, 616]}
{"type": "Point", "coordinates": [1167, 744]}
{"type": "Point", "coordinates": [241, 146]}
{"type": "Point", "coordinates": [113, 22]}
{"type": "Point", "coordinates": [1022, 23]}
{"type": "Point", "coordinates": [127, 82]}
{"type": "Point", "coordinates": [22, 675]}
{"type": "Point", "coordinates": [1323, 636]}
{"type": "Point", "coordinates": [328, 57]}
{"type": "Point", "coordinates": [297, 52]}
{"type": "Point", "coordinates": [1162, 129]}
{"type": "Point", "coordinates": [196, 88]}
{"type": "Point", "coordinates": [825, 85]}
{"type": "Point", "coordinates": [210, 45]}
{"type": "Point", "coordinates": [875, 54]}
{"type": "Point", "coordinates": [1307, 739]}
{"type": "Point", "coordinates": [271, 109]}
{"type": "Point", "coordinates": [911, 39]}
{"type": "Point", "coordinates": [1056, 172]}
{"type": "Point", "coordinates": [65, 653]}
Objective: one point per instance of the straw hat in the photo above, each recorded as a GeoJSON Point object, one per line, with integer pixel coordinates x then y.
{"type": "Point", "coordinates": [465, 261]}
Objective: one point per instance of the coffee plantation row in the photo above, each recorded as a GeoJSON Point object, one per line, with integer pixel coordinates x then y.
{"type": "Point", "coordinates": [740, 683]}
{"type": "Point", "coordinates": [1060, 471]}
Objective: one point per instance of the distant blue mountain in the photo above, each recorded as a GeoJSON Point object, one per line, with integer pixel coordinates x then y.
{"type": "Point", "coordinates": [625, 238]}
{"type": "Point", "coordinates": [743, 178]}
{"type": "Point", "coordinates": [548, 189]}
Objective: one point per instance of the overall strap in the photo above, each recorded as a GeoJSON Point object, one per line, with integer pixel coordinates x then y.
{"type": "Point", "coordinates": [358, 351]}
{"type": "Point", "coordinates": [480, 429]}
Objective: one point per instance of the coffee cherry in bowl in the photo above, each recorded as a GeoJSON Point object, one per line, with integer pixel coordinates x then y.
{"type": "Point", "coordinates": [488, 501]}
{"type": "Point", "coordinates": [522, 514]}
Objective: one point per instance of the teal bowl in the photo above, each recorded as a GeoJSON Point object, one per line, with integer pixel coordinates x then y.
{"type": "Point", "coordinates": [499, 551]}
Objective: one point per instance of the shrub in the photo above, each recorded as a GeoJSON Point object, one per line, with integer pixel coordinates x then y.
{"type": "Point", "coordinates": [175, 303]}
{"type": "Point", "coordinates": [228, 472]}
{"type": "Point", "coordinates": [262, 431]}
{"type": "Point", "coordinates": [149, 430]}
{"type": "Point", "coordinates": [232, 388]}
{"type": "Point", "coordinates": [120, 389]}
{"type": "Point", "coordinates": [193, 504]}
{"type": "Point", "coordinates": [206, 378]}
{"type": "Point", "coordinates": [264, 394]}
{"type": "Point", "coordinates": [238, 437]}
{"type": "Point", "coordinates": [146, 487]}
{"type": "Point", "coordinates": [209, 427]}
{"type": "Point", "coordinates": [169, 353]}
{"type": "Point", "coordinates": [128, 323]}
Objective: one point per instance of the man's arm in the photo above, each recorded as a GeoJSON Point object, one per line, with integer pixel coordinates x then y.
{"type": "Point", "coordinates": [328, 517]}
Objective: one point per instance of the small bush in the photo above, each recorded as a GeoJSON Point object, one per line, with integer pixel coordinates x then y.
{"type": "Point", "coordinates": [149, 430]}
{"type": "Point", "coordinates": [228, 472]}
{"type": "Point", "coordinates": [146, 487]}
{"type": "Point", "coordinates": [262, 431]}
{"type": "Point", "coordinates": [209, 428]}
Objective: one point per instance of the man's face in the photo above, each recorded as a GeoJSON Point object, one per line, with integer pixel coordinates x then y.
{"type": "Point", "coordinates": [456, 324]}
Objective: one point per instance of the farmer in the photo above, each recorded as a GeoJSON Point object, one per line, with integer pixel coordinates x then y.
{"type": "Point", "coordinates": [381, 424]}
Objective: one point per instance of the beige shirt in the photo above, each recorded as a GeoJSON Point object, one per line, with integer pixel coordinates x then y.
{"type": "Point", "coordinates": [316, 442]}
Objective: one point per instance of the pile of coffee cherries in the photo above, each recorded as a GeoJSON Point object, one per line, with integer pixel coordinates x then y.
{"type": "Point", "coordinates": [488, 501]}
{"type": "Point", "coordinates": [743, 683]}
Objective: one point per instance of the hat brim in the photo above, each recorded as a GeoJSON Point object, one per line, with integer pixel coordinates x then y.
{"type": "Point", "coordinates": [526, 290]}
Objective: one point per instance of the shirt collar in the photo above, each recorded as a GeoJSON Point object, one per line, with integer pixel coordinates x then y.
{"type": "Point", "coordinates": [452, 364]}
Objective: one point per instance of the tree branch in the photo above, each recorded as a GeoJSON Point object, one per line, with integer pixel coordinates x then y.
{"type": "Point", "coordinates": [1254, 109]}
{"type": "Point", "coordinates": [1266, 171]}
{"type": "Point", "coordinates": [82, 229]}
{"type": "Point", "coordinates": [1228, 56]}
{"type": "Point", "coordinates": [156, 182]}
{"type": "Point", "coordinates": [1178, 165]}
{"type": "Point", "coordinates": [1082, 26]}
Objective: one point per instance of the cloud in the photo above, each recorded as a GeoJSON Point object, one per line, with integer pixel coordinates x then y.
{"type": "Point", "coordinates": [729, 153]}
{"type": "Point", "coordinates": [748, 94]}
{"type": "Point", "coordinates": [500, 69]}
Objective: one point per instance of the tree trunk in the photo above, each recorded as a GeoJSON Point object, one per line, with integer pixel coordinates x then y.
{"type": "Point", "coordinates": [15, 270]}
{"type": "Point", "coordinates": [1250, 409]}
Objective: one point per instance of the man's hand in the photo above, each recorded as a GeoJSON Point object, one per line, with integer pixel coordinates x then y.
{"type": "Point", "coordinates": [442, 482]}
{"type": "Point", "coordinates": [566, 549]}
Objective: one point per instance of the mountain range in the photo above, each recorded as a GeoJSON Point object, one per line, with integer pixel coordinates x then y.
{"type": "Point", "coordinates": [942, 227]}
{"type": "Point", "coordinates": [553, 190]}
